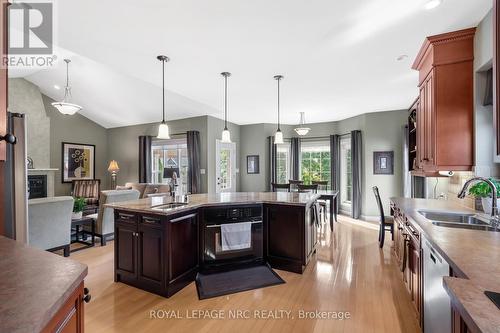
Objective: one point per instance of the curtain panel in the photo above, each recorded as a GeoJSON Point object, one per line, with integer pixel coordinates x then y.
{"type": "Point", "coordinates": [295, 158]}
{"type": "Point", "coordinates": [356, 160]}
{"type": "Point", "coordinates": [272, 161]}
{"type": "Point", "coordinates": [194, 151]}
{"type": "Point", "coordinates": [335, 165]}
{"type": "Point", "coordinates": [145, 171]}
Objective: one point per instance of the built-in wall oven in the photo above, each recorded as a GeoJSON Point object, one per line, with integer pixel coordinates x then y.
{"type": "Point", "coordinates": [231, 236]}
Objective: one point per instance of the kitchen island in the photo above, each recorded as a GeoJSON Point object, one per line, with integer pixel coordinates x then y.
{"type": "Point", "coordinates": [160, 244]}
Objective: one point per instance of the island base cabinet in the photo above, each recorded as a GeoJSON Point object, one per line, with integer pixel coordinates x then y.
{"type": "Point", "coordinates": [69, 319]}
{"type": "Point", "coordinates": [291, 239]}
{"type": "Point", "coordinates": [158, 254]}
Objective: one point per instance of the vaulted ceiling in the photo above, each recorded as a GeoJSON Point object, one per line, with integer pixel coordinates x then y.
{"type": "Point", "coordinates": [339, 58]}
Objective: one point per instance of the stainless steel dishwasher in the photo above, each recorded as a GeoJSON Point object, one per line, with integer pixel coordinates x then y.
{"type": "Point", "coordinates": [437, 308]}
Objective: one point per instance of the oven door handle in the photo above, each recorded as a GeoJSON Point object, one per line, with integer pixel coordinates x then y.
{"type": "Point", "coordinates": [218, 225]}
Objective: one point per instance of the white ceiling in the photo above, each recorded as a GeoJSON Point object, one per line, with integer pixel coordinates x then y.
{"type": "Point", "coordinates": [338, 57]}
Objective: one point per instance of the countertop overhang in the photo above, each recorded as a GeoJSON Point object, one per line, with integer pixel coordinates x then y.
{"type": "Point", "coordinates": [34, 284]}
{"type": "Point", "coordinates": [195, 201]}
{"type": "Point", "coordinates": [472, 254]}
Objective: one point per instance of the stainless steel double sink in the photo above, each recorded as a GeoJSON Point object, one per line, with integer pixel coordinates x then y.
{"type": "Point", "coordinates": [458, 220]}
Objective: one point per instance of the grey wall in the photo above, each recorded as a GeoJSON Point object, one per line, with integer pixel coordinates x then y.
{"type": "Point", "coordinates": [483, 115]}
{"type": "Point", "coordinates": [382, 131]}
{"type": "Point", "coordinates": [123, 145]}
{"type": "Point", "coordinates": [47, 129]}
{"type": "Point", "coordinates": [76, 129]}
{"type": "Point", "coordinates": [25, 97]}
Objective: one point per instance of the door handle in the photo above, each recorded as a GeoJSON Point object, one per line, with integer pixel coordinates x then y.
{"type": "Point", "coordinates": [9, 138]}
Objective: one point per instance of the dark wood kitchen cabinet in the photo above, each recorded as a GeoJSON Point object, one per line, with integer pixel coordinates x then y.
{"type": "Point", "coordinates": [154, 252]}
{"type": "Point", "coordinates": [408, 253]}
{"type": "Point", "coordinates": [444, 113]}
{"type": "Point", "coordinates": [291, 236]}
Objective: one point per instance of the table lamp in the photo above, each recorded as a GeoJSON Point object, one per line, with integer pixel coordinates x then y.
{"type": "Point", "coordinates": [113, 168]}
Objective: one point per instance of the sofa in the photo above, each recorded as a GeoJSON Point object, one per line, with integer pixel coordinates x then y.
{"type": "Point", "coordinates": [148, 189]}
{"type": "Point", "coordinates": [49, 223]}
{"type": "Point", "coordinates": [105, 219]}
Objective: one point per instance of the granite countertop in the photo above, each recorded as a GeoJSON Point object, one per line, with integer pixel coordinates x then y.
{"type": "Point", "coordinates": [473, 255]}
{"type": "Point", "coordinates": [34, 284]}
{"type": "Point", "coordinates": [148, 205]}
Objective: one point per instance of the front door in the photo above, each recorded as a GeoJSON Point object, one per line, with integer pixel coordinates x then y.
{"type": "Point", "coordinates": [225, 167]}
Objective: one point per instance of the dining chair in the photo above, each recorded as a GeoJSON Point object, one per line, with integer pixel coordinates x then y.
{"type": "Point", "coordinates": [322, 186]}
{"type": "Point", "coordinates": [308, 188]}
{"type": "Point", "coordinates": [294, 184]}
{"type": "Point", "coordinates": [280, 187]}
{"type": "Point", "coordinates": [383, 223]}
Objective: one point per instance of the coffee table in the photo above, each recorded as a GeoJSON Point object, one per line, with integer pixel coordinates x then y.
{"type": "Point", "coordinates": [78, 224]}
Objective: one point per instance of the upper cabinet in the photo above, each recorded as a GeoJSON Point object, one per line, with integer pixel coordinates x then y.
{"type": "Point", "coordinates": [443, 113]}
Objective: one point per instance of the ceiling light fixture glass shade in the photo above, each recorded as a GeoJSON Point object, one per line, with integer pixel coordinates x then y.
{"type": "Point", "coordinates": [163, 130]}
{"type": "Point", "coordinates": [278, 137]}
{"type": "Point", "coordinates": [226, 135]}
{"type": "Point", "coordinates": [65, 107]}
{"type": "Point", "coordinates": [431, 4]}
{"type": "Point", "coordinates": [302, 129]}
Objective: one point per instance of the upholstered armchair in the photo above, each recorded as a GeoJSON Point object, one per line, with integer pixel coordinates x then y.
{"type": "Point", "coordinates": [105, 219]}
{"type": "Point", "coordinates": [49, 223]}
{"type": "Point", "coordinates": [89, 190]}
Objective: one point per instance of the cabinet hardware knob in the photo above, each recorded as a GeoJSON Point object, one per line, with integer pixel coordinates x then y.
{"type": "Point", "coordinates": [86, 291]}
{"type": "Point", "coordinates": [9, 138]}
{"type": "Point", "coordinates": [87, 298]}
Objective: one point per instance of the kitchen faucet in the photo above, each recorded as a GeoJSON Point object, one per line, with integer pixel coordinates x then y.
{"type": "Point", "coordinates": [494, 209]}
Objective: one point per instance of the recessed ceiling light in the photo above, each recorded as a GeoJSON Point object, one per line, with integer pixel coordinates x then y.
{"type": "Point", "coordinates": [402, 57]}
{"type": "Point", "coordinates": [57, 87]}
{"type": "Point", "coordinates": [431, 4]}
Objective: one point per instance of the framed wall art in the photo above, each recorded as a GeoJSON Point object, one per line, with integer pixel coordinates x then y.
{"type": "Point", "coordinates": [78, 162]}
{"type": "Point", "coordinates": [253, 164]}
{"type": "Point", "coordinates": [383, 163]}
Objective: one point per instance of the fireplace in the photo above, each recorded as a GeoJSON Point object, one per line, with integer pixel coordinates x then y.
{"type": "Point", "coordinates": [37, 186]}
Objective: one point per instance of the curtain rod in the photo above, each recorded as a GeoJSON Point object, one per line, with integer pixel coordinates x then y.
{"type": "Point", "coordinates": [318, 137]}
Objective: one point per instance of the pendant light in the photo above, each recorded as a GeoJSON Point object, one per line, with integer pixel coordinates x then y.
{"type": "Point", "coordinates": [226, 135]}
{"type": "Point", "coordinates": [302, 129]}
{"type": "Point", "coordinates": [278, 137]}
{"type": "Point", "coordinates": [65, 107]}
{"type": "Point", "coordinates": [163, 131]}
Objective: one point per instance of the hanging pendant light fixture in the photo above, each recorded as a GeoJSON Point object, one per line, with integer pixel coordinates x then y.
{"type": "Point", "coordinates": [302, 129]}
{"type": "Point", "coordinates": [163, 131]}
{"type": "Point", "coordinates": [226, 135]}
{"type": "Point", "coordinates": [278, 137]}
{"type": "Point", "coordinates": [65, 107]}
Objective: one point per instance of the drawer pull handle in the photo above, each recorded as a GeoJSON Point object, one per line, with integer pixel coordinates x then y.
{"type": "Point", "coordinates": [150, 220]}
{"type": "Point", "coordinates": [124, 216]}
{"type": "Point", "coordinates": [87, 298]}
{"type": "Point", "coordinates": [180, 219]}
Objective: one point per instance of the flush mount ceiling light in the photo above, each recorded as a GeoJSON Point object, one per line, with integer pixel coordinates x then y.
{"type": "Point", "coordinates": [431, 4]}
{"type": "Point", "coordinates": [278, 137]}
{"type": "Point", "coordinates": [163, 131]}
{"type": "Point", "coordinates": [302, 129]}
{"type": "Point", "coordinates": [65, 107]}
{"type": "Point", "coordinates": [226, 135]}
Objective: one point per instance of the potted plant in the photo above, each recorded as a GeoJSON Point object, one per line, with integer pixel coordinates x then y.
{"type": "Point", "coordinates": [78, 206]}
{"type": "Point", "coordinates": [483, 191]}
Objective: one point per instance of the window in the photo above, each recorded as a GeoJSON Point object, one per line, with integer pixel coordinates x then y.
{"type": "Point", "coordinates": [170, 154]}
{"type": "Point", "coordinates": [283, 163]}
{"type": "Point", "coordinates": [315, 161]}
{"type": "Point", "coordinates": [346, 171]}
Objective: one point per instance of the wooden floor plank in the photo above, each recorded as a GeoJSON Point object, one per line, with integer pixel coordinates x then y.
{"type": "Point", "coordinates": [349, 273]}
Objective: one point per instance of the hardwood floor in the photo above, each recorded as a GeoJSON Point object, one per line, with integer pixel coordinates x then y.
{"type": "Point", "coordinates": [349, 274]}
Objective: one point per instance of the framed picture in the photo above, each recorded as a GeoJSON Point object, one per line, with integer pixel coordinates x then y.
{"type": "Point", "coordinates": [78, 162]}
{"type": "Point", "coordinates": [253, 164]}
{"type": "Point", "coordinates": [383, 163]}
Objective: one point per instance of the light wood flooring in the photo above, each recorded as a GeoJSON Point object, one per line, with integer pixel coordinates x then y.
{"type": "Point", "coordinates": [349, 274]}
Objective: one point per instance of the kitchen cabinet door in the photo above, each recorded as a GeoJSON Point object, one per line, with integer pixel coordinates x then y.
{"type": "Point", "coordinates": [416, 277]}
{"type": "Point", "coordinates": [183, 249]}
{"type": "Point", "coordinates": [125, 250]}
{"type": "Point", "coordinates": [69, 318]}
{"type": "Point", "coordinates": [150, 255]}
